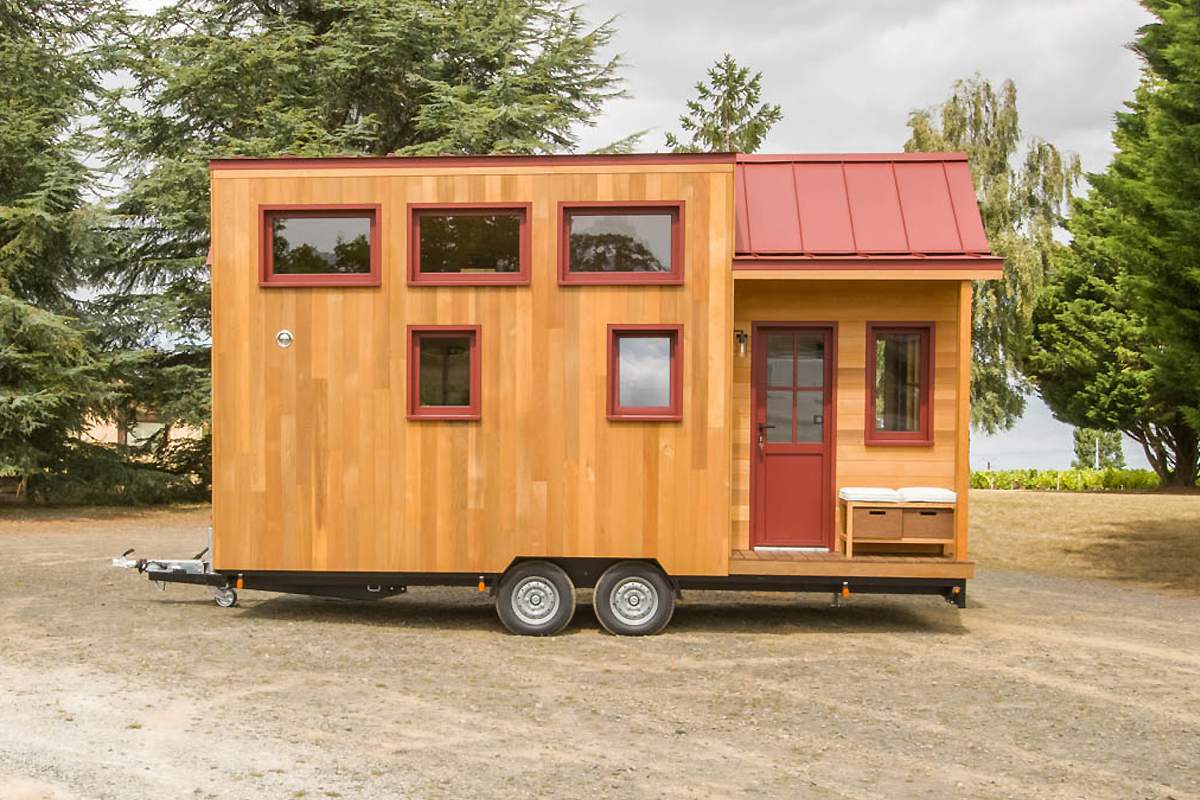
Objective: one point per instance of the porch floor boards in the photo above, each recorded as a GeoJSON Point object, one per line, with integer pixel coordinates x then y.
{"type": "Point", "coordinates": [784, 562]}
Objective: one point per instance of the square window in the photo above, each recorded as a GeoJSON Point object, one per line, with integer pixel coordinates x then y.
{"type": "Point", "coordinates": [645, 377]}
{"type": "Point", "coordinates": [899, 383]}
{"type": "Point", "coordinates": [477, 244]}
{"type": "Point", "coordinates": [319, 246]}
{"type": "Point", "coordinates": [620, 243]}
{"type": "Point", "coordinates": [443, 372]}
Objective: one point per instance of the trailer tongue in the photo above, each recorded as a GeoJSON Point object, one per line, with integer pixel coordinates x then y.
{"type": "Point", "coordinates": [196, 570]}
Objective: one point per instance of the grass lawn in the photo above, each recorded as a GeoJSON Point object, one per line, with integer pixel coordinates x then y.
{"type": "Point", "coordinates": [1151, 538]}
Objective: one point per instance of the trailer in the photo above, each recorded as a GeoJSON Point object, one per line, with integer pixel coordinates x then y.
{"type": "Point", "coordinates": [636, 374]}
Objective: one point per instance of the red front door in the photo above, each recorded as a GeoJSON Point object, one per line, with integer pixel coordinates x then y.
{"type": "Point", "coordinates": [791, 437]}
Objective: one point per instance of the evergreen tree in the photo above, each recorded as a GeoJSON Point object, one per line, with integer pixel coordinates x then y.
{"type": "Point", "coordinates": [1117, 335]}
{"type": "Point", "coordinates": [727, 115]}
{"type": "Point", "coordinates": [50, 236]}
{"type": "Point", "coordinates": [213, 78]}
{"type": "Point", "coordinates": [1097, 449]}
{"type": "Point", "coordinates": [1023, 190]}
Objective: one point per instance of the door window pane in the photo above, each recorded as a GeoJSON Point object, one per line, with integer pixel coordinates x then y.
{"type": "Point", "coordinates": [898, 380]}
{"type": "Point", "coordinates": [469, 243]}
{"type": "Point", "coordinates": [445, 378]}
{"type": "Point", "coordinates": [810, 420]}
{"type": "Point", "coordinates": [620, 242]}
{"type": "Point", "coordinates": [311, 244]}
{"type": "Point", "coordinates": [644, 367]}
{"type": "Point", "coordinates": [780, 359]}
{"type": "Point", "coordinates": [810, 360]}
{"type": "Point", "coordinates": [779, 415]}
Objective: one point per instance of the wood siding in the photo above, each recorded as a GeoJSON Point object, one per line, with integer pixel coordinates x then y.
{"type": "Point", "coordinates": [316, 466]}
{"type": "Point", "coordinates": [850, 305]}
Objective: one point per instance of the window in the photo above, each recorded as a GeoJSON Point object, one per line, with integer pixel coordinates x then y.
{"type": "Point", "coordinates": [619, 243]}
{"type": "Point", "coordinates": [468, 244]}
{"type": "Point", "coordinates": [320, 246]}
{"type": "Point", "coordinates": [443, 372]}
{"type": "Point", "coordinates": [899, 383]}
{"type": "Point", "coordinates": [645, 380]}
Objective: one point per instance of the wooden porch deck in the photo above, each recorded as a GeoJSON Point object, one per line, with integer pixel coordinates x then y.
{"type": "Point", "coordinates": [791, 562]}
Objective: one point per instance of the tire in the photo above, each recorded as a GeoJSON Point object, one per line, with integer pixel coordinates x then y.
{"type": "Point", "coordinates": [633, 598]}
{"type": "Point", "coordinates": [535, 598]}
{"type": "Point", "coordinates": [225, 598]}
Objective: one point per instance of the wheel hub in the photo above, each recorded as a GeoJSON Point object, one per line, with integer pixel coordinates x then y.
{"type": "Point", "coordinates": [634, 601]}
{"type": "Point", "coordinates": [535, 600]}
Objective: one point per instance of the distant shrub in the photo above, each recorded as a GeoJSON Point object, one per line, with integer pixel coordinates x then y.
{"type": "Point", "coordinates": [1067, 480]}
{"type": "Point", "coordinates": [96, 474]}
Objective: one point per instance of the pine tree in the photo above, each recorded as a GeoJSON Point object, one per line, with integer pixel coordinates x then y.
{"type": "Point", "coordinates": [213, 78]}
{"type": "Point", "coordinates": [1023, 192]}
{"type": "Point", "coordinates": [727, 115]}
{"type": "Point", "coordinates": [50, 235]}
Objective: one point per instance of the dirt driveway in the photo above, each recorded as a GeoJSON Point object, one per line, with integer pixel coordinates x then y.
{"type": "Point", "coordinates": [1046, 687]}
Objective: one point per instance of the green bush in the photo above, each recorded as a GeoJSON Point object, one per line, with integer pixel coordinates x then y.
{"type": "Point", "coordinates": [96, 474]}
{"type": "Point", "coordinates": [1067, 480]}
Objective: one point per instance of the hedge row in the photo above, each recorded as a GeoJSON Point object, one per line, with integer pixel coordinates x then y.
{"type": "Point", "coordinates": [1066, 480]}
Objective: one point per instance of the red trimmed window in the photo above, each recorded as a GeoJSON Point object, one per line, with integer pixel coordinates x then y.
{"type": "Point", "coordinates": [468, 244]}
{"type": "Point", "coordinates": [899, 383]}
{"type": "Point", "coordinates": [443, 372]}
{"type": "Point", "coordinates": [645, 372]}
{"type": "Point", "coordinates": [309, 245]}
{"type": "Point", "coordinates": [620, 243]}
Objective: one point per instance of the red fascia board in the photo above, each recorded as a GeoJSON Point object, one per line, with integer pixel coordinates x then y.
{"type": "Point", "coordinates": [868, 261]}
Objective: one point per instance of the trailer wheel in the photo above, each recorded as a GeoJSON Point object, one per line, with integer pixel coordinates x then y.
{"type": "Point", "coordinates": [633, 598]}
{"type": "Point", "coordinates": [535, 598]}
{"type": "Point", "coordinates": [226, 597]}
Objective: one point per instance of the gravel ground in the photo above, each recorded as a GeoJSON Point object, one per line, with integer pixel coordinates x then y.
{"type": "Point", "coordinates": [1047, 687]}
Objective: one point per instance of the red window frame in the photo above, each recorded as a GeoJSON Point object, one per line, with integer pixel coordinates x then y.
{"type": "Point", "coordinates": [924, 434]}
{"type": "Point", "coordinates": [416, 411]}
{"type": "Point", "coordinates": [673, 412]}
{"type": "Point", "coordinates": [567, 210]}
{"type": "Point", "coordinates": [418, 210]}
{"type": "Point", "coordinates": [266, 261]}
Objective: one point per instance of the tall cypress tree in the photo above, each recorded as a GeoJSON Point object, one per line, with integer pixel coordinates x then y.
{"type": "Point", "coordinates": [1117, 335]}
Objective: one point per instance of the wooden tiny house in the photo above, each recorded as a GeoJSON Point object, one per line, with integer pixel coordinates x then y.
{"type": "Point", "coordinates": [662, 368]}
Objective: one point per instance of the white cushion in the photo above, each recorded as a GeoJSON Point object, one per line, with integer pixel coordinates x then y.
{"type": "Point", "coordinates": [868, 494]}
{"type": "Point", "coordinates": [927, 494]}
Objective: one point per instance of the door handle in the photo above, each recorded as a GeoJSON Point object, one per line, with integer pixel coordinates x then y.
{"type": "Point", "coordinates": [762, 437]}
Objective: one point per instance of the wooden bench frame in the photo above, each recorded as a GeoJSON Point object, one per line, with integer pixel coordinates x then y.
{"type": "Point", "coordinates": [845, 528]}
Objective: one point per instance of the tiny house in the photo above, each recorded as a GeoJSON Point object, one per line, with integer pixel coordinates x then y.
{"type": "Point", "coordinates": [632, 373]}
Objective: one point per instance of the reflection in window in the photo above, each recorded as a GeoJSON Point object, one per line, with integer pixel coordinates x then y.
{"type": "Point", "coordinates": [311, 244]}
{"type": "Point", "coordinates": [644, 366]}
{"type": "Point", "coordinates": [469, 242]}
{"type": "Point", "coordinates": [445, 370]}
{"type": "Point", "coordinates": [620, 242]}
{"type": "Point", "coordinates": [645, 373]}
{"type": "Point", "coordinates": [899, 374]}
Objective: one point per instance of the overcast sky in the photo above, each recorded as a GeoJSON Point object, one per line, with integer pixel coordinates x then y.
{"type": "Point", "coordinates": [848, 73]}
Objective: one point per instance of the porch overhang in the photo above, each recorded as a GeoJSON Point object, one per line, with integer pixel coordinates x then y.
{"type": "Point", "coordinates": [858, 217]}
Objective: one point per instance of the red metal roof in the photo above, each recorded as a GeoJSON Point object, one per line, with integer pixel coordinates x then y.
{"type": "Point", "coordinates": [895, 205]}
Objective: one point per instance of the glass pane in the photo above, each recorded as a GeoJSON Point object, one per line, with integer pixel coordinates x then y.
{"type": "Point", "coordinates": [309, 245]}
{"type": "Point", "coordinates": [780, 352]}
{"type": "Point", "coordinates": [644, 368]}
{"type": "Point", "coordinates": [898, 381]}
{"type": "Point", "coordinates": [620, 242]}
{"type": "Point", "coordinates": [810, 366]}
{"type": "Point", "coordinates": [810, 420]}
{"type": "Point", "coordinates": [445, 370]}
{"type": "Point", "coordinates": [470, 243]}
{"type": "Point", "coordinates": [779, 414]}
